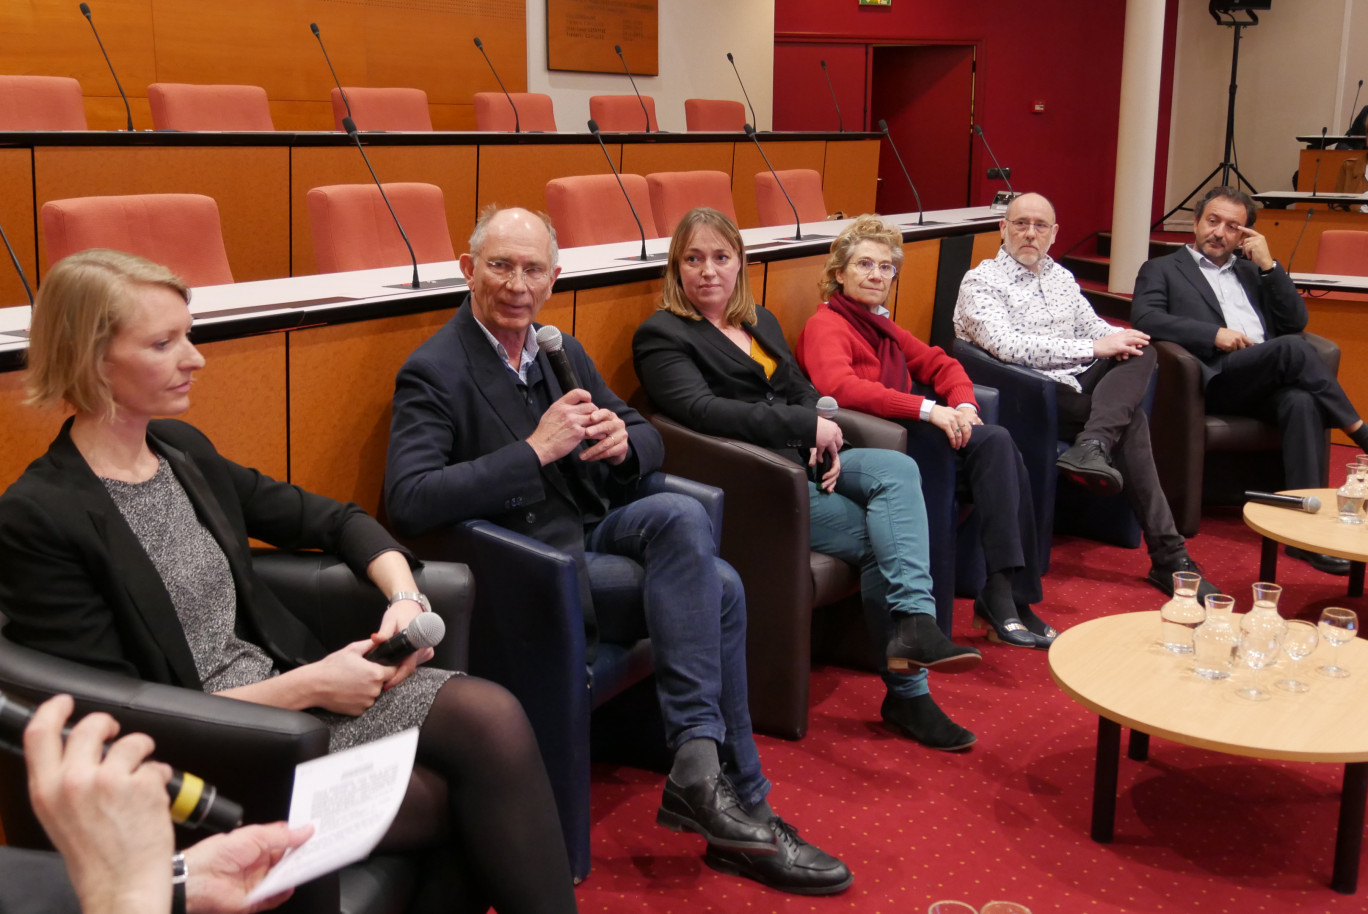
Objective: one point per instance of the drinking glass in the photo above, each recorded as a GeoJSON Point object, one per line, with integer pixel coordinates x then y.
{"type": "Point", "coordinates": [951, 907]}
{"type": "Point", "coordinates": [1337, 626]}
{"type": "Point", "coordinates": [1299, 642]}
{"type": "Point", "coordinates": [1258, 651]}
{"type": "Point", "coordinates": [1004, 907]}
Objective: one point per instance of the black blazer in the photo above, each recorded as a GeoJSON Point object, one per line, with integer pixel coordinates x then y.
{"type": "Point", "coordinates": [1174, 301]}
{"type": "Point", "coordinates": [458, 443]}
{"type": "Point", "coordinates": [701, 379]}
{"type": "Point", "coordinates": [75, 582]}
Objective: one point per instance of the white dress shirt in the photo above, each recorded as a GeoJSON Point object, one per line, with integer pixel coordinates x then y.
{"type": "Point", "coordinates": [1236, 308]}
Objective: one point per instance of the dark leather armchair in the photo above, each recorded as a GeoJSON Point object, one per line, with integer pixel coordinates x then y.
{"type": "Point", "coordinates": [248, 751]}
{"type": "Point", "coordinates": [1213, 458]}
{"type": "Point", "coordinates": [527, 634]}
{"type": "Point", "coordinates": [1027, 409]}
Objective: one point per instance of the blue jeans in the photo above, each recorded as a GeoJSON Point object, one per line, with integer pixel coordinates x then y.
{"type": "Point", "coordinates": [695, 614]}
{"type": "Point", "coordinates": [876, 519]}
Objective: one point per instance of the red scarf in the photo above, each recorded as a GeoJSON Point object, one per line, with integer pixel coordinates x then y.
{"type": "Point", "coordinates": [877, 331]}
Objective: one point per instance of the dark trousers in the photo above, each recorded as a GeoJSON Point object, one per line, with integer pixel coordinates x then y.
{"type": "Point", "coordinates": [1284, 380]}
{"type": "Point", "coordinates": [1109, 410]}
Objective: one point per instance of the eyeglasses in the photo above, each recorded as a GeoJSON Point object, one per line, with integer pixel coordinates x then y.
{"type": "Point", "coordinates": [533, 275]}
{"type": "Point", "coordinates": [1022, 225]}
{"type": "Point", "coordinates": [867, 266]}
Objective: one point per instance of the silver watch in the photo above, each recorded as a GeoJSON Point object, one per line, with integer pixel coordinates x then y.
{"type": "Point", "coordinates": [415, 596]}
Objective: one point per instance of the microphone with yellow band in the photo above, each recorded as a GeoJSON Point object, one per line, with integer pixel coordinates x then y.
{"type": "Point", "coordinates": [194, 803]}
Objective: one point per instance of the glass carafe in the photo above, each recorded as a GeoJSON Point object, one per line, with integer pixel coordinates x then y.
{"type": "Point", "coordinates": [1180, 615]}
{"type": "Point", "coordinates": [1350, 496]}
{"type": "Point", "coordinates": [1216, 640]}
{"type": "Point", "coordinates": [1265, 611]}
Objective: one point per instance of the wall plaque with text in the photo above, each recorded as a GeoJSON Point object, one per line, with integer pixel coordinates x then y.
{"type": "Point", "coordinates": [581, 35]}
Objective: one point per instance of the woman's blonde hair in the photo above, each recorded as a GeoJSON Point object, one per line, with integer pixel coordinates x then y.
{"type": "Point", "coordinates": [81, 304]}
{"type": "Point", "coordinates": [741, 306]}
{"type": "Point", "coordinates": [864, 228]}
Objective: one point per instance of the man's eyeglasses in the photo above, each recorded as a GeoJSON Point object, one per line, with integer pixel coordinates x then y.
{"type": "Point", "coordinates": [867, 266]}
{"type": "Point", "coordinates": [533, 276]}
{"type": "Point", "coordinates": [1022, 225]}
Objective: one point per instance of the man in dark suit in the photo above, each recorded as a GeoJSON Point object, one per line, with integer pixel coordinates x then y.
{"type": "Point", "coordinates": [483, 429]}
{"type": "Point", "coordinates": [1228, 302]}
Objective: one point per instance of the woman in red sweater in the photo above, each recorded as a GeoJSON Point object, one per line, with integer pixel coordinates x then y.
{"type": "Point", "coordinates": [852, 351]}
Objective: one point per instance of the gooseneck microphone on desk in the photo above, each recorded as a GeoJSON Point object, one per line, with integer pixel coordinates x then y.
{"type": "Point", "coordinates": [14, 259]}
{"type": "Point", "coordinates": [517, 124]}
{"type": "Point", "coordinates": [1004, 173]}
{"type": "Point", "coordinates": [921, 219]}
{"type": "Point", "coordinates": [744, 93]}
{"type": "Point", "coordinates": [194, 803]}
{"type": "Point", "coordinates": [85, 11]}
{"type": "Point", "coordinates": [594, 129]}
{"type": "Point", "coordinates": [313, 27]}
{"type": "Point", "coordinates": [618, 49]}
{"type": "Point", "coordinates": [1315, 179]}
{"type": "Point", "coordinates": [797, 221]}
{"type": "Point", "coordinates": [840, 121]}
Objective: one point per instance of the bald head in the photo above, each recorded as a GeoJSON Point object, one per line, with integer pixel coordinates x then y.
{"type": "Point", "coordinates": [1032, 202]}
{"type": "Point", "coordinates": [511, 268]}
{"type": "Point", "coordinates": [1029, 230]}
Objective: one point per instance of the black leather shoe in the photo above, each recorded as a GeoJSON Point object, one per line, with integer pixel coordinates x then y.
{"type": "Point", "coordinates": [918, 643]}
{"type": "Point", "coordinates": [1330, 564]}
{"type": "Point", "coordinates": [712, 809]}
{"type": "Point", "coordinates": [799, 867]}
{"type": "Point", "coordinates": [1089, 465]}
{"type": "Point", "coordinates": [923, 720]}
{"type": "Point", "coordinates": [1044, 632]}
{"type": "Point", "coordinates": [1010, 630]}
{"type": "Point", "coordinates": [1161, 576]}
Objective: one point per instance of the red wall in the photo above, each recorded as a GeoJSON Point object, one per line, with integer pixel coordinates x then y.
{"type": "Point", "coordinates": [1066, 53]}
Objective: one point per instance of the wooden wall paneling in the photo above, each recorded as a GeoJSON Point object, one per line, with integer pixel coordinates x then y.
{"type": "Point", "coordinates": [341, 390]}
{"type": "Point", "coordinates": [801, 154]}
{"type": "Point", "coordinates": [433, 49]}
{"type": "Point", "coordinates": [1288, 231]}
{"type": "Point", "coordinates": [1330, 162]}
{"type": "Point", "coordinates": [850, 180]}
{"type": "Point", "coordinates": [791, 292]}
{"type": "Point", "coordinates": [756, 273]}
{"type": "Point", "coordinates": [986, 246]}
{"type": "Point", "coordinates": [645, 158]}
{"type": "Point", "coordinates": [453, 117]}
{"type": "Point", "coordinates": [28, 431]}
{"type": "Point", "coordinates": [915, 299]}
{"type": "Point", "coordinates": [452, 168]}
{"type": "Point", "coordinates": [1346, 323]}
{"type": "Point", "coordinates": [250, 184]}
{"type": "Point", "coordinates": [605, 320]}
{"type": "Point", "coordinates": [559, 312]}
{"type": "Point", "coordinates": [517, 175]}
{"type": "Point", "coordinates": [16, 218]}
{"type": "Point", "coordinates": [244, 378]}
{"type": "Point", "coordinates": [297, 116]}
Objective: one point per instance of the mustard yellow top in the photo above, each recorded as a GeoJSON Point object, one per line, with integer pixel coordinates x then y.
{"type": "Point", "coordinates": [767, 361]}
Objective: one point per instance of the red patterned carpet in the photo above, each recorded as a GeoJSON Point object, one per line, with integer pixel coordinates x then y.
{"type": "Point", "coordinates": [1195, 830]}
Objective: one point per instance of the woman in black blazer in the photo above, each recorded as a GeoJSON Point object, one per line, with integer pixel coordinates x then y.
{"type": "Point", "coordinates": [714, 361]}
{"type": "Point", "coordinates": [126, 548]}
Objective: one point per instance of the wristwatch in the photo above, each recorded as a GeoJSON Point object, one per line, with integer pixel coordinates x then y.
{"type": "Point", "coordinates": [178, 876]}
{"type": "Point", "coordinates": [1269, 270]}
{"type": "Point", "coordinates": [415, 596]}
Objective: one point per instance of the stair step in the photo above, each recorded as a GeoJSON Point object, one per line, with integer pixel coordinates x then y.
{"type": "Point", "coordinates": [1161, 243]}
{"type": "Point", "coordinates": [1113, 306]}
{"type": "Point", "coordinates": [1091, 267]}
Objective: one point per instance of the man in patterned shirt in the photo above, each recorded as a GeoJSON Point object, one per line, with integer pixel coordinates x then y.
{"type": "Point", "coordinates": [1025, 309]}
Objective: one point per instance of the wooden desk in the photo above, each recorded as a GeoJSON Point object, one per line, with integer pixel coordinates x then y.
{"type": "Point", "coordinates": [1114, 668]}
{"type": "Point", "coordinates": [1319, 532]}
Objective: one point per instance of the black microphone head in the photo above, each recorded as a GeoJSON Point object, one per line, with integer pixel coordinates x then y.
{"type": "Point", "coordinates": [313, 27]}
{"type": "Point", "coordinates": [729, 58]}
{"type": "Point", "coordinates": [593, 126]}
{"type": "Point", "coordinates": [549, 339]}
{"type": "Point", "coordinates": [478, 43]}
{"type": "Point", "coordinates": [883, 126]}
{"type": "Point", "coordinates": [349, 125]}
{"type": "Point", "coordinates": [823, 63]}
{"type": "Point", "coordinates": [85, 10]}
{"type": "Point", "coordinates": [617, 49]}
{"type": "Point", "coordinates": [750, 131]}
{"type": "Point", "coordinates": [978, 130]}
{"type": "Point", "coordinates": [426, 630]}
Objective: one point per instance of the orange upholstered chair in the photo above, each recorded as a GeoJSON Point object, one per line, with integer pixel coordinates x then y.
{"type": "Point", "coordinates": [590, 209]}
{"type": "Point", "coordinates": [674, 193]}
{"type": "Point", "coordinates": [1344, 253]}
{"type": "Point", "coordinates": [353, 229]}
{"type": "Point", "coordinates": [41, 103]}
{"type": "Point", "coordinates": [714, 114]}
{"type": "Point", "coordinates": [183, 106]}
{"type": "Point", "coordinates": [622, 113]}
{"type": "Point", "coordinates": [804, 186]}
{"type": "Point", "coordinates": [383, 109]}
{"type": "Point", "coordinates": [180, 231]}
{"type": "Point", "coordinates": [535, 112]}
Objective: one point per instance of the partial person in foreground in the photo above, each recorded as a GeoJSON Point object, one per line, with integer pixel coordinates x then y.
{"type": "Point", "coordinates": [483, 429]}
{"type": "Point", "coordinates": [1025, 309]}
{"type": "Point", "coordinates": [1228, 302]}
{"type": "Point", "coordinates": [126, 549]}
{"type": "Point", "coordinates": [853, 351]}
{"type": "Point", "coordinates": [712, 360]}
{"type": "Point", "coordinates": [108, 815]}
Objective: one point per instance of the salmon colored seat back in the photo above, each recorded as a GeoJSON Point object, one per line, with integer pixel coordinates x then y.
{"type": "Point", "coordinates": [714, 115]}
{"type": "Point", "coordinates": [804, 186]}
{"type": "Point", "coordinates": [183, 106]}
{"type": "Point", "coordinates": [179, 231]}
{"type": "Point", "coordinates": [41, 103]}
{"type": "Point", "coordinates": [535, 112]}
{"type": "Point", "coordinates": [674, 193]}
{"type": "Point", "coordinates": [622, 113]}
{"type": "Point", "coordinates": [590, 209]}
{"type": "Point", "coordinates": [353, 229]}
{"type": "Point", "coordinates": [1344, 253]}
{"type": "Point", "coordinates": [383, 109]}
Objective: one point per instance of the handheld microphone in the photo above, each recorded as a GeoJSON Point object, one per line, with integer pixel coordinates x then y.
{"type": "Point", "coordinates": [1310, 503]}
{"type": "Point", "coordinates": [85, 11]}
{"type": "Point", "coordinates": [840, 121]}
{"type": "Point", "coordinates": [1003, 173]}
{"type": "Point", "coordinates": [826, 408]}
{"type": "Point", "coordinates": [517, 124]}
{"type": "Point", "coordinates": [14, 258]}
{"type": "Point", "coordinates": [593, 128]}
{"type": "Point", "coordinates": [313, 27]}
{"type": "Point", "coordinates": [549, 341]}
{"type": "Point", "coordinates": [1299, 240]}
{"type": "Point", "coordinates": [645, 113]}
{"type": "Point", "coordinates": [744, 93]}
{"type": "Point", "coordinates": [194, 803]}
{"type": "Point", "coordinates": [1316, 178]}
{"type": "Point", "coordinates": [426, 630]}
{"type": "Point", "coordinates": [797, 222]}
{"type": "Point", "coordinates": [883, 128]}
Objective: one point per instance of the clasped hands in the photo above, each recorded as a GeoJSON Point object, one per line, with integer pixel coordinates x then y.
{"type": "Point", "coordinates": [574, 418]}
{"type": "Point", "coordinates": [958, 424]}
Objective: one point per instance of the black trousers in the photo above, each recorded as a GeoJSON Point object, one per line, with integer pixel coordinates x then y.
{"type": "Point", "coordinates": [1283, 380]}
{"type": "Point", "coordinates": [1109, 410]}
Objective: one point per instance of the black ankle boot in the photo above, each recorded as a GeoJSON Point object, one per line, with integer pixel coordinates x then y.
{"type": "Point", "coordinates": [924, 721]}
{"type": "Point", "coordinates": [918, 643]}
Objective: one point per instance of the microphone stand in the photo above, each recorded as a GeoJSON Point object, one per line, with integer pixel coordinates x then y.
{"type": "Point", "coordinates": [594, 129]}
{"type": "Point", "coordinates": [744, 93]}
{"type": "Point", "coordinates": [313, 27]}
{"type": "Point", "coordinates": [85, 11]}
{"type": "Point", "coordinates": [517, 124]}
{"type": "Point", "coordinates": [640, 101]}
{"type": "Point", "coordinates": [840, 121]}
